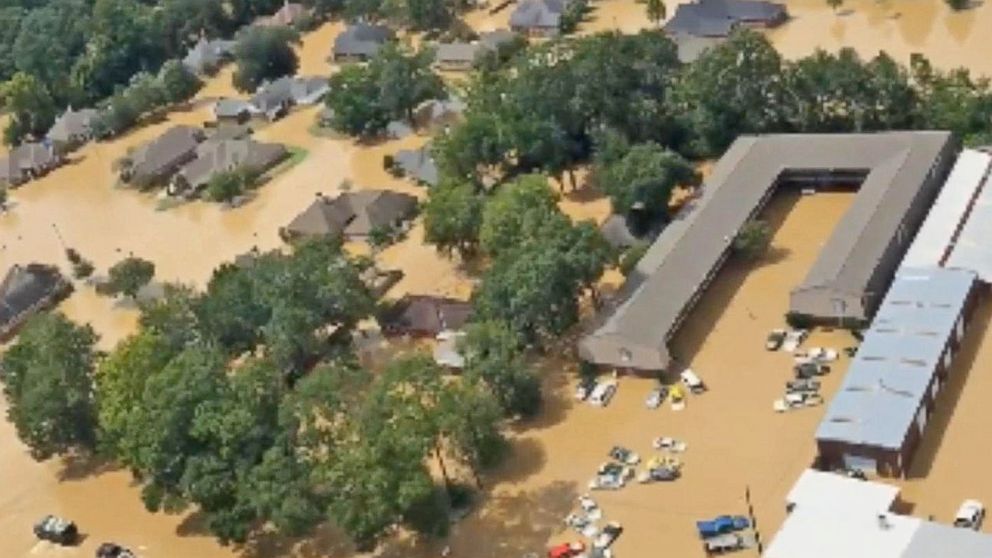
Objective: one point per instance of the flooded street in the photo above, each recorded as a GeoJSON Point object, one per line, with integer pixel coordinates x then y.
{"type": "Point", "coordinates": [735, 440]}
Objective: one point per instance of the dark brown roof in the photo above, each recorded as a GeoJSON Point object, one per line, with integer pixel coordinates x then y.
{"type": "Point", "coordinates": [165, 151]}
{"type": "Point", "coordinates": [353, 214]}
{"type": "Point", "coordinates": [215, 156]}
{"type": "Point", "coordinates": [427, 315]}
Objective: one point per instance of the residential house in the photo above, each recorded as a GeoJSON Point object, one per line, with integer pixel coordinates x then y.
{"type": "Point", "coordinates": [154, 163]}
{"type": "Point", "coordinates": [538, 18]}
{"type": "Point", "coordinates": [27, 290]}
{"type": "Point", "coordinates": [29, 161]}
{"type": "Point", "coordinates": [438, 112]}
{"type": "Point", "coordinates": [290, 14]}
{"type": "Point", "coordinates": [462, 56]}
{"type": "Point", "coordinates": [72, 128]}
{"type": "Point", "coordinates": [425, 316]}
{"type": "Point", "coordinates": [352, 215]}
{"type": "Point", "coordinates": [360, 42]}
{"type": "Point", "coordinates": [417, 164]}
{"type": "Point", "coordinates": [207, 56]}
{"type": "Point", "coordinates": [274, 99]}
{"type": "Point", "coordinates": [233, 110]}
{"type": "Point", "coordinates": [717, 18]}
{"type": "Point", "coordinates": [216, 156]}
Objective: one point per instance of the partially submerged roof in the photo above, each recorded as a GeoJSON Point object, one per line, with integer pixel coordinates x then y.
{"type": "Point", "coordinates": [299, 90]}
{"type": "Point", "coordinates": [216, 156]}
{"type": "Point", "coordinates": [958, 198]}
{"type": "Point", "coordinates": [426, 314]}
{"type": "Point", "coordinates": [459, 53]}
{"type": "Point", "coordinates": [160, 153]}
{"type": "Point", "coordinates": [538, 14]}
{"type": "Point", "coordinates": [717, 18]}
{"type": "Point", "coordinates": [361, 40]}
{"type": "Point", "coordinates": [658, 293]}
{"type": "Point", "coordinates": [835, 492]}
{"type": "Point", "coordinates": [23, 288]}
{"type": "Point", "coordinates": [888, 379]}
{"type": "Point", "coordinates": [207, 54]}
{"type": "Point", "coordinates": [355, 213]}
{"type": "Point", "coordinates": [418, 164]}
{"type": "Point", "coordinates": [72, 125]}
{"type": "Point", "coordinates": [26, 158]}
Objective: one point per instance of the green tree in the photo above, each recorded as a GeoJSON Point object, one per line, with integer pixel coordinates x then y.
{"type": "Point", "coordinates": [834, 4]}
{"type": "Point", "coordinates": [953, 101]}
{"type": "Point", "coordinates": [48, 385]}
{"type": "Point", "coordinates": [494, 354]}
{"type": "Point", "coordinates": [732, 89]}
{"type": "Point", "coordinates": [657, 11]}
{"type": "Point", "coordinates": [264, 53]}
{"type": "Point", "coordinates": [642, 181]}
{"type": "Point", "coordinates": [177, 82]}
{"type": "Point", "coordinates": [10, 26]}
{"type": "Point", "coordinates": [515, 212]}
{"type": "Point", "coordinates": [753, 239]}
{"type": "Point", "coordinates": [129, 275]}
{"type": "Point", "coordinates": [227, 185]}
{"type": "Point", "coordinates": [958, 5]}
{"type": "Point", "coordinates": [470, 423]}
{"type": "Point", "coordinates": [31, 107]}
{"type": "Point", "coordinates": [453, 216]}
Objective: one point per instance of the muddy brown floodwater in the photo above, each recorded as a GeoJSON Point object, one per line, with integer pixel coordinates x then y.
{"type": "Point", "coordinates": [735, 441]}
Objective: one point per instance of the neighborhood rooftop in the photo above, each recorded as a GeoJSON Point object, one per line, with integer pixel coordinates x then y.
{"type": "Point", "coordinates": [352, 214]}
{"type": "Point", "coordinates": [833, 516]}
{"type": "Point", "coordinates": [72, 126]}
{"type": "Point", "coordinates": [361, 40]}
{"type": "Point", "coordinates": [888, 380]}
{"type": "Point", "coordinates": [901, 173]}
{"type": "Point", "coordinates": [717, 18]}
{"type": "Point", "coordinates": [538, 15]}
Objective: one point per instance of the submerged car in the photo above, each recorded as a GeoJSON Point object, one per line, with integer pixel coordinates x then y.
{"type": "Point", "coordinates": [608, 535]}
{"type": "Point", "coordinates": [721, 525]}
{"type": "Point", "coordinates": [797, 400]}
{"type": "Point", "coordinates": [566, 550]}
{"type": "Point", "coordinates": [656, 397]}
{"type": "Point", "coordinates": [113, 550]}
{"type": "Point", "coordinates": [803, 385]}
{"type": "Point", "coordinates": [624, 455]}
{"type": "Point", "coordinates": [970, 515]}
{"type": "Point", "coordinates": [57, 530]}
{"type": "Point", "coordinates": [775, 339]}
{"type": "Point", "coordinates": [585, 389]}
{"type": "Point", "coordinates": [806, 370]}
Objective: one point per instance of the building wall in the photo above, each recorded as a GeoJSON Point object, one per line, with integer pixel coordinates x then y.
{"type": "Point", "coordinates": [897, 462]}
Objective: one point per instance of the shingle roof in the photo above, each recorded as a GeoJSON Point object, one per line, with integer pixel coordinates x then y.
{"type": "Point", "coordinates": [206, 54]}
{"type": "Point", "coordinates": [418, 164]}
{"type": "Point", "coordinates": [26, 158]}
{"type": "Point", "coordinates": [716, 18]}
{"type": "Point", "coordinates": [888, 379]}
{"type": "Point", "coordinates": [456, 52]}
{"type": "Point", "coordinates": [215, 156]}
{"type": "Point", "coordinates": [352, 213]}
{"type": "Point", "coordinates": [361, 39]}
{"type": "Point", "coordinates": [300, 90]}
{"type": "Point", "coordinates": [493, 39]}
{"type": "Point", "coordinates": [164, 151]}
{"type": "Point", "coordinates": [232, 108]}
{"type": "Point", "coordinates": [23, 288]}
{"type": "Point", "coordinates": [668, 277]}
{"type": "Point", "coordinates": [425, 314]}
{"type": "Point", "coordinates": [543, 14]}
{"type": "Point", "coordinates": [72, 125]}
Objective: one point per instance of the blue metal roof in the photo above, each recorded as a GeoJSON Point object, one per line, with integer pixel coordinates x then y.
{"type": "Point", "coordinates": [888, 379]}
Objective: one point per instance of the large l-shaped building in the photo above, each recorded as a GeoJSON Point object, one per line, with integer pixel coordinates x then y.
{"type": "Point", "coordinates": [897, 174]}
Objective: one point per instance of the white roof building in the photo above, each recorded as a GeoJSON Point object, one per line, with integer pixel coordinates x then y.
{"type": "Point", "coordinates": [834, 516]}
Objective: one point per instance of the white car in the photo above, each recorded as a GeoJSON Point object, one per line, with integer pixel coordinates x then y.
{"type": "Point", "coordinates": [970, 515]}
{"type": "Point", "coordinates": [692, 381]}
{"type": "Point", "coordinates": [821, 355]}
{"type": "Point", "coordinates": [603, 393]}
{"type": "Point", "coordinates": [797, 400]}
{"type": "Point", "coordinates": [670, 444]}
{"type": "Point", "coordinates": [793, 339]}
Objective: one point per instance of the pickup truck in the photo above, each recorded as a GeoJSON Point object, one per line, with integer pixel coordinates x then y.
{"type": "Point", "coordinates": [727, 543]}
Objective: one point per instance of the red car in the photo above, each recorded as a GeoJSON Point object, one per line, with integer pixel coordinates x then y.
{"type": "Point", "coordinates": [566, 550]}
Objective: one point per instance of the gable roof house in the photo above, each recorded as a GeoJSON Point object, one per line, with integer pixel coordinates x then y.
{"type": "Point", "coordinates": [236, 110]}
{"type": "Point", "coordinates": [216, 156]}
{"type": "Point", "coordinates": [360, 42]}
{"type": "Point", "coordinates": [154, 163]}
{"type": "Point", "coordinates": [288, 15]}
{"type": "Point", "coordinates": [459, 56]}
{"type": "Point", "coordinates": [540, 18]}
{"type": "Point", "coordinates": [417, 164]}
{"type": "Point", "coordinates": [28, 161]}
{"type": "Point", "coordinates": [27, 290]}
{"type": "Point", "coordinates": [426, 315]}
{"type": "Point", "coordinates": [717, 18]}
{"type": "Point", "coordinates": [273, 99]}
{"type": "Point", "coordinates": [72, 128]}
{"type": "Point", "coordinates": [207, 56]}
{"type": "Point", "coordinates": [352, 215]}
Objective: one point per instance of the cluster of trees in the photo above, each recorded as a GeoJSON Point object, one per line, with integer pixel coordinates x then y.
{"type": "Point", "coordinates": [246, 402]}
{"type": "Point", "coordinates": [364, 99]}
{"type": "Point", "coordinates": [144, 94]}
{"type": "Point", "coordinates": [227, 185]}
{"type": "Point", "coordinates": [264, 53]}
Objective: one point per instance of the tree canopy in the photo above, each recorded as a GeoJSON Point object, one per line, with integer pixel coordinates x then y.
{"type": "Point", "coordinates": [264, 54]}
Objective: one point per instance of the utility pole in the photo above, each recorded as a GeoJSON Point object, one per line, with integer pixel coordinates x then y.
{"type": "Point", "coordinates": [754, 520]}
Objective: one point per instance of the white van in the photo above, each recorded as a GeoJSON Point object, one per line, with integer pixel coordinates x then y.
{"type": "Point", "coordinates": [692, 381]}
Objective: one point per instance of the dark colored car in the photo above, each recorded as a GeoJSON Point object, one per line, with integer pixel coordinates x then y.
{"type": "Point", "coordinates": [722, 525]}
{"type": "Point", "coordinates": [810, 369]}
{"type": "Point", "coordinates": [57, 530]}
{"type": "Point", "coordinates": [113, 550]}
